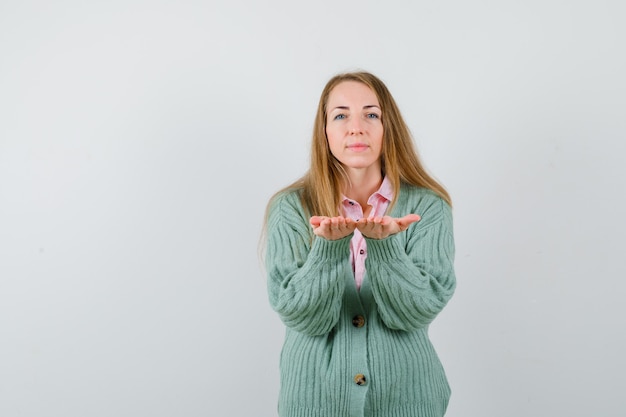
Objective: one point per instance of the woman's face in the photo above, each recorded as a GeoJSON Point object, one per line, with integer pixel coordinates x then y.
{"type": "Point", "coordinates": [354, 126]}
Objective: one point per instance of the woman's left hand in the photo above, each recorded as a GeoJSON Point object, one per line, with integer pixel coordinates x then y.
{"type": "Point", "coordinates": [382, 227]}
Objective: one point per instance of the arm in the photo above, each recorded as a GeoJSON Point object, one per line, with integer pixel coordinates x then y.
{"type": "Point", "coordinates": [412, 276]}
{"type": "Point", "coordinates": [305, 272]}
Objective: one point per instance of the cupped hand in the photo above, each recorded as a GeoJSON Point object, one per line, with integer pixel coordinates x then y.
{"type": "Point", "coordinates": [332, 228]}
{"type": "Point", "coordinates": [382, 227]}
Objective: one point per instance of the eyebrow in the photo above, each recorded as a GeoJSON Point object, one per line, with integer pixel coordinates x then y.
{"type": "Point", "coordinates": [369, 106]}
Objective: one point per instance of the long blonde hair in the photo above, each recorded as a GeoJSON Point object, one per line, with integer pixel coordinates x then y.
{"type": "Point", "coordinates": [322, 186]}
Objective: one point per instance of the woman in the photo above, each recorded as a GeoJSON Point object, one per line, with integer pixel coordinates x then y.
{"type": "Point", "coordinates": [359, 257]}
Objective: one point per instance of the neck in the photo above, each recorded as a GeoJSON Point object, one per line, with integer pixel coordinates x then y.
{"type": "Point", "coordinates": [362, 185]}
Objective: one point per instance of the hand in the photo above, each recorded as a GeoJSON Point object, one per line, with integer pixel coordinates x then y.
{"type": "Point", "coordinates": [382, 227]}
{"type": "Point", "coordinates": [332, 228]}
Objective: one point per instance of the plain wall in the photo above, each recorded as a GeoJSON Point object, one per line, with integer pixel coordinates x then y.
{"type": "Point", "coordinates": [140, 142]}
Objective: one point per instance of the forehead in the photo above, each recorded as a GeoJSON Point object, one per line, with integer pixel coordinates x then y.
{"type": "Point", "coordinates": [351, 92]}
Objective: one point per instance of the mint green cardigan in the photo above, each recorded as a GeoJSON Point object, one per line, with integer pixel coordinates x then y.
{"type": "Point", "coordinates": [367, 353]}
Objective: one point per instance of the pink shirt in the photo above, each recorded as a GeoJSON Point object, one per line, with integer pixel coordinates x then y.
{"type": "Point", "coordinates": [358, 250]}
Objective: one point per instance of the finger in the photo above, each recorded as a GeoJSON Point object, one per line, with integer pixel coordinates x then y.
{"type": "Point", "coordinates": [316, 220]}
{"type": "Point", "coordinates": [405, 221]}
{"type": "Point", "coordinates": [323, 224]}
{"type": "Point", "coordinates": [347, 222]}
{"type": "Point", "coordinates": [368, 221]}
{"type": "Point", "coordinates": [414, 217]}
{"type": "Point", "coordinates": [365, 225]}
{"type": "Point", "coordinates": [411, 218]}
{"type": "Point", "coordinates": [386, 220]}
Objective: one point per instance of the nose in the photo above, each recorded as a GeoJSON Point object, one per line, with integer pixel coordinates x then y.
{"type": "Point", "coordinates": [355, 126]}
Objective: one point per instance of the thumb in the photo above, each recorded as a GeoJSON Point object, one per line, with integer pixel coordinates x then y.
{"type": "Point", "coordinates": [315, 221]}
{"type": "Point", "coordinates": [407, 220]}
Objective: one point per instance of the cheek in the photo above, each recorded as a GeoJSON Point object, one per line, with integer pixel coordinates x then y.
{"type": "Point", "coordinates": [335, 149]}
{"type": "Point", "coordinates": [332, 137]}
{"type": "Point", "coordinates": [379, 137]}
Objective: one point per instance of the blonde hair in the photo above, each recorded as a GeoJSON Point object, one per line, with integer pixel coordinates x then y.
{"type": "Point", "coordinates": [322, 186]}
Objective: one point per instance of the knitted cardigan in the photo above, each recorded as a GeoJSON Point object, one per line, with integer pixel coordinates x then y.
{"type": "Point", "coordinates": [366, 353]}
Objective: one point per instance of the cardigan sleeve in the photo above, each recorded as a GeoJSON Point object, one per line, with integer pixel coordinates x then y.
{"type": "Point", "coordinates": [305, 273]}
{"type": "Point", "coordinates": [412, 277]}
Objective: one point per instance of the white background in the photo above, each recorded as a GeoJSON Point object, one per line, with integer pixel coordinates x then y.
{"type": "Point", "coordinates": [140, 141]}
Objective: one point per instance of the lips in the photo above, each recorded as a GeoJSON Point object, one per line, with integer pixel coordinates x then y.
{"type": "Point", "coordinates": [358, 147]}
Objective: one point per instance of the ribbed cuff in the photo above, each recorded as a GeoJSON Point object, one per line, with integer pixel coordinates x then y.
{"type": "Point", "coordinates": [386, 249]}
{"type": "Point", "coordinates": [325, 249]}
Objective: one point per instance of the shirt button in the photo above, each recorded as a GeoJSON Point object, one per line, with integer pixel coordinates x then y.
{"type": "Point", "coordinates": [362, 251]}
{"type": "Point", "coordinates": [359, 379]}
{"type": "Point", "coordinates": [358, 321]}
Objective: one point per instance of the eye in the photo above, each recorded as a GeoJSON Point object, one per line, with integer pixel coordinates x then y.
{"type": "Point", "coordinates": [372, 116]}
{"type": "Point", "coordinates": [340, 116]}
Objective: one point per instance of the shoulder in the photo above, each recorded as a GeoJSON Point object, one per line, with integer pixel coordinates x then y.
{"type": "Point", "coordinates": [423, 201]}
{"type": "Point", "coordinates": [412, 195]}
{"type": "Point", "coordinates": [286, 199]}
{"type": "Point", "coordinates": [286, 205]}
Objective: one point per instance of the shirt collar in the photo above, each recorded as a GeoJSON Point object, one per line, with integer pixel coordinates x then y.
{"type": "Point", "coordinates": [385, 191]}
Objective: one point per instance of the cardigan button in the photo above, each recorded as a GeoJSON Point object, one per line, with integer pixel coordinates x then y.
{"type": "Point", "coordinates": [359, 379]}
{"type": "Point", "coordinates": [358, 321]}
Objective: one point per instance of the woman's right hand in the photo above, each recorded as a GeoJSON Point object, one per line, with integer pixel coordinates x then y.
{"type": "Point", "coordinates": [332, 228]}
